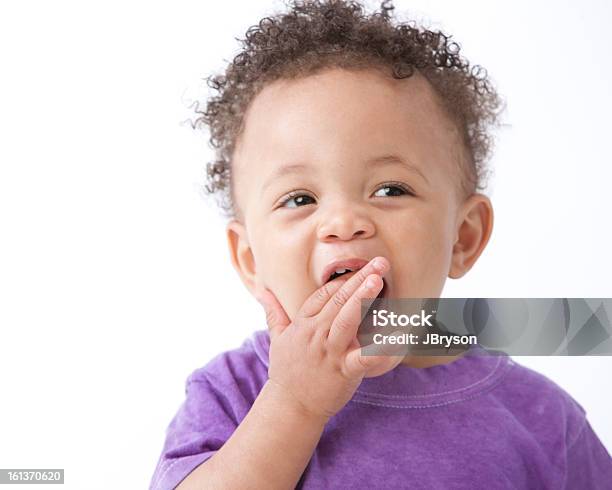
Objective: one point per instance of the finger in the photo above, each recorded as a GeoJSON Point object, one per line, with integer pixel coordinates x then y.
{"type": "Point", "coordinates": [378, 265]}
{"type": "Point", "coordinates": [382, 365]}
{"type": "Point", "coordinates": [344, 328]}
{"type": "Point", "coordinates": [374, 360]}
{"type": "Point", "coordinates": [320, 297]}
{"type": "Point", "coordinates": [276, 317]}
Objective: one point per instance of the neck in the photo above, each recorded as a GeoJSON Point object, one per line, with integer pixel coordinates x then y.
{"type": "Point", "coordinates": [428, 361]}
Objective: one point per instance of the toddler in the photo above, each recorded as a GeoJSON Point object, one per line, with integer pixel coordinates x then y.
{"type": "Point", "coordinates": [351, 150]}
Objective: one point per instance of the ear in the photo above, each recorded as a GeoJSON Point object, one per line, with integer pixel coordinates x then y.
{"type": "Point", "coordinates": [475, 225]}
{"type": "Point", "coordinates": [241, 253]}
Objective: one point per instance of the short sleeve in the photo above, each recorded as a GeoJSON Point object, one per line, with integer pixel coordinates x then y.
{"type": "Point", "coordinates": [217, 398]}
{"type": "Point", "coordinates": [203, 423]}
{"type": "Point", "coordinates": [589, 465]}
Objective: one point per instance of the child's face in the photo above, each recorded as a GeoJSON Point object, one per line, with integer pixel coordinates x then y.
{"type": "Point", "coordinates": [323, 172]}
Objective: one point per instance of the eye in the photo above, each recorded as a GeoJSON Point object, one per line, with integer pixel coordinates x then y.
{"type": "Point", "coordinates": [296, 199]}
{"type": "Point", "coordinates": [393, 189]}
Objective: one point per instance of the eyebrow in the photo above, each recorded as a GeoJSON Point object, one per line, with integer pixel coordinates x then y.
{"type": "Point", "coordinates": [294, 168]}
{"type": "Point", "coordinates": [297, 168]}
{"type": "Point", "coordinates": [395, 160]}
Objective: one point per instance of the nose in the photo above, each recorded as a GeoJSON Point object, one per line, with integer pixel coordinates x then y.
{"type": "Point", "coordinates": [345, 222]}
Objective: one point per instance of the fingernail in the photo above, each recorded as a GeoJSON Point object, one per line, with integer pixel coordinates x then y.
{"type": "Point", "coordinates": [371, 283]}
{"type": "Point", "coordinates": [379, 264]}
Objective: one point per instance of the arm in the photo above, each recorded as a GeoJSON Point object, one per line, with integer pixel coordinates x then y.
{"type": "Point", "coordinates": [269, 449]}
{"type": "Point", "coordinates": [315, 367]}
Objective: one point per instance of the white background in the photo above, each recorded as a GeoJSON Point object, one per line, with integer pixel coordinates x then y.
{"type": "Point", "coordinates": [114, 274]}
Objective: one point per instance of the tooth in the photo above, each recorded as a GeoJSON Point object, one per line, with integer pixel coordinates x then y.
{"type": "Point", "coordinates": [342, 271]}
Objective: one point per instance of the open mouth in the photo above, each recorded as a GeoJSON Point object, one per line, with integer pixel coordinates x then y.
{"type": "Point", "coordinates": [346, 271]}
{"type": "Point", "coordinates": [340, 272]}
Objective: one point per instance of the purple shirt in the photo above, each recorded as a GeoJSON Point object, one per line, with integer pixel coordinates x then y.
{"type": "Point", "coordinates": [482, 421]}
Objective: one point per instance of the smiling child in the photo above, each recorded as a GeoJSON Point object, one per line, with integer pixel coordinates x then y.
{"type": "Point", "coordinates": [351, 152]}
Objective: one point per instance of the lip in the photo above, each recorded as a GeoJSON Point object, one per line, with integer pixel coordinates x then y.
{"type": "Point", "coordinates": [353, 263]}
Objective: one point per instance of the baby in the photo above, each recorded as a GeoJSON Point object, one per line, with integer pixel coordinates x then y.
{"type": "Point", "coordinates": [351, 150]}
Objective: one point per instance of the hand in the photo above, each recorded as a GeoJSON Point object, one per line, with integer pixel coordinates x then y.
{"type": "Point", "coordinates": [316, 360]}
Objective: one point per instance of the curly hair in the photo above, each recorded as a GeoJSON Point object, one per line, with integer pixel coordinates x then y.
{"type": "Point", "coordinates": [313, 35]}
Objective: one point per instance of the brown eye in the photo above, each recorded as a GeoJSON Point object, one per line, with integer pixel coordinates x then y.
{"type": "Point", "coordinates": [391, 191]}
{"type": "Point", "coordinates": [298, 200]}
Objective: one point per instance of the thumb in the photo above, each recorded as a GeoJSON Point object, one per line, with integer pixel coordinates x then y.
{"type": "Point", "coordinates": [276, 318]}
{"type": "Point", "coordinates": [374, 360]}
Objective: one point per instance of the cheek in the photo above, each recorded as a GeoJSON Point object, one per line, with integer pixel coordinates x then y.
{"type": "Point", "coordinates": [282, 265]}
{"type": "Point", "coordinates": [422, 256]}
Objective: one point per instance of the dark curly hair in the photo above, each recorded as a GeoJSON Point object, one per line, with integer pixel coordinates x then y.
{"type": "Point", "coordinates": [313, 35]}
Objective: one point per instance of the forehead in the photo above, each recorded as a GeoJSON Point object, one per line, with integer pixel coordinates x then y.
{"type": "Point", "coordinates": [340, 116]}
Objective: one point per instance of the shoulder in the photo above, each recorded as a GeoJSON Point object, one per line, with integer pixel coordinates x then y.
{"type": "Point", "coordinates": [540, 404]}
{"type": "Point", "coordinates": [223, 390]}
{"type": "Point", "coordinates": [218, 397]}
{"type": "Point", "coordinates": [244, 368]}
{"type": "Point", "coordinates": [553, 418]}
